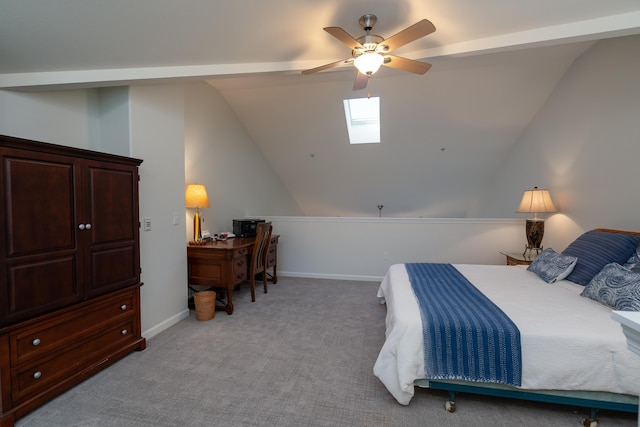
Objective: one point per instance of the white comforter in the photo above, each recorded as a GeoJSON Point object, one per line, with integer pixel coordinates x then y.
{"type": "Point", "coordinates": [568, 342]}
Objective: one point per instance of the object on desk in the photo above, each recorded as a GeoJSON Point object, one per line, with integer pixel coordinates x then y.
{"type": "Point", "coordinates": [246, 227]}
{"type": "Point", "coordinates": [205, 302]}
{"type": "Point", "coordinates": [224, 236]}
{"type": "Point", "coordinates": [195, 196]}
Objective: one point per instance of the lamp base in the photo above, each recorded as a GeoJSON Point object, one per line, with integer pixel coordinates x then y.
{"type": "Point", "coordinates": [535, 231]}
{"type": "Point", "coordinates": [530, 249]}
{"type": "Point", "coordinates": [197, 233]}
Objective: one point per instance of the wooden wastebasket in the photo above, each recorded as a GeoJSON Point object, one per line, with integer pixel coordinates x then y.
{"type": "Point", "coordinates": [205, 302]}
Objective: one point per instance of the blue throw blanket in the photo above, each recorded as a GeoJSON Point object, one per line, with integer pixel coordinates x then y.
{"type": "Point", "coordinates": [466, 336]}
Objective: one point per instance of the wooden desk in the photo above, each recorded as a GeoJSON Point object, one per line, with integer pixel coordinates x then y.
{"type": "Point", "coordinates": [225, 264]}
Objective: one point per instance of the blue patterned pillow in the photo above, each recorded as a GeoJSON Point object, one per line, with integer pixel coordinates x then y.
{"type": "Point", "coordinates": [552, 266]}
{"type": "Point", "coordinates": [615, 286]}
{"type": "Point", "coordinates": [595, 249]}
{"type": "Point", "coordinates": [633, 263]}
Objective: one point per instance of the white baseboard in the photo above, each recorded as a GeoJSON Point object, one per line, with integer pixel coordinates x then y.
{"type": "Point", "coordinates": [155, 330]}
{"type": "Point", "coordinates": [330, 276]}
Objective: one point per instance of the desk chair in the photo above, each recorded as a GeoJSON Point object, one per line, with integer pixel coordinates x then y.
{"type": "Point", "coordinates": [259, 256]}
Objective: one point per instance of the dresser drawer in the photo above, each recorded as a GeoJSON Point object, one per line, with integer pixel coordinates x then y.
{"type": "Point", "coordinates": [240, 252]}
{"type": "Point", "coordinates": [34, 341]}
{"type": "Point", "coordinates": [32, 378]}
{"type": "Point", "coordinates": [240, 266]}
{"type": "Point", "coordinates": [271, 256]}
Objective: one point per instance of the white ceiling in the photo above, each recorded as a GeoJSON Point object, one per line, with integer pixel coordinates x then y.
{"type": "Point", "coordinates": [494, 64]}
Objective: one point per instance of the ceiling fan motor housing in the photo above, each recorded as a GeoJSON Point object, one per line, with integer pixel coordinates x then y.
{"type": "Point", "coordinates": [368, 21]}
{"type": "Point", "coordinates": [370, 43]}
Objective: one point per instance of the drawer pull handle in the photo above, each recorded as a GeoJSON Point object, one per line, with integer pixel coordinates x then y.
{"type": "Point", "coordinates": [123, 307]}
{"type": "Point", "coordinates": [123, 332]}
{"type": "Point", "coordinates": [36, 341]}
{"type": "Point", "coordinates": [37, 375]}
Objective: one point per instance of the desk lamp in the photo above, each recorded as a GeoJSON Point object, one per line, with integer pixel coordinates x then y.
{"type": "Point", "coordinates": [195, 196]}
{"type": "Point", "coordinates": [535, 201]}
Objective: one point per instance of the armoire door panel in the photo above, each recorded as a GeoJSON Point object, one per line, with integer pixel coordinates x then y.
{"type": "Point", "coordinates": [40, 213]}
{"type": "Point", "coordinates": [113, 204]}
{"type": "Point", "coordinates": [113, 268]}
{"type": "Point", "coordinates": [38, 286]}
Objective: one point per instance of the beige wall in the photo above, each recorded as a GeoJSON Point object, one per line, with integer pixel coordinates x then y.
{"type": "Point", "coordinates": [157, 129]}
{"type": "Point", "coordinates": [583, 145]}
{"type": "Point", "coordinates": [220, 154]}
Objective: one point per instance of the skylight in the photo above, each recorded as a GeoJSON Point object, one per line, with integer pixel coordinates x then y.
{"type": "Point", "coordinates": [363, 120]}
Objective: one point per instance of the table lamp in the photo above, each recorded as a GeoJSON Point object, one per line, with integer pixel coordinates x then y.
{"type": "Point", "coordinates": [535, 201]}
{"type": "Point", "coordinates": [195, 196]}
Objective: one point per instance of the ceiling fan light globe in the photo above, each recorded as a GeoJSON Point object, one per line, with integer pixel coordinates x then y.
{"type": "Point", "coordinates": [368, 63]}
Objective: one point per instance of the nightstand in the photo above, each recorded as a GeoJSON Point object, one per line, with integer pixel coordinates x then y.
{"type": "Point", "coordinates": [517, 258]}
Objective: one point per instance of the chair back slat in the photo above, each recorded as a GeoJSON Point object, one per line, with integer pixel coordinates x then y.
{"type": "Point", "coordinates": [259, 256]}
{"type": "Point", "coordinates": [263, 236]}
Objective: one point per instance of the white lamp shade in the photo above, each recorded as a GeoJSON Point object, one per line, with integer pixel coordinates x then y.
{"type": "Point", "coordinates": [536, 201]}
{"type": "Point", "coordinates": [369, 62]}
{"type": "Point", "coordinates": [195, 196]}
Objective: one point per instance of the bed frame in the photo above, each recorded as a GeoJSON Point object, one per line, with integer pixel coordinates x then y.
{"type": "Point", "coordinates": [594, 401]}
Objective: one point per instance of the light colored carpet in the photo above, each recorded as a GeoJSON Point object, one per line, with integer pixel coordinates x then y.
{"type": "Point", "coordinates": [301, 355]}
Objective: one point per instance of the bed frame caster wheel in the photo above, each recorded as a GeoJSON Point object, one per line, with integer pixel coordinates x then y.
{"type": "Point", "coordinates": [450, 406]}
{"type": "Point", "coordinates": [589, 422]}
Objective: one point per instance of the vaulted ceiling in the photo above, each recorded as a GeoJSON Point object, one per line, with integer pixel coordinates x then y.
{"type": "Point", "coordinates": [494, 64]}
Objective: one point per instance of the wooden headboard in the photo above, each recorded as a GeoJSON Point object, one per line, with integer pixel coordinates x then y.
{"type": "Point", "coordinates": [608, 230]}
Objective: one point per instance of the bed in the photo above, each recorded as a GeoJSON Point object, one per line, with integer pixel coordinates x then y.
{"type": "Point", "coordinates": [560, 342]}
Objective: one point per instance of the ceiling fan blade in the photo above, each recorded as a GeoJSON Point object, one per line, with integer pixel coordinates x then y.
{"type": "Point", "coordinates": [327, 66]}
{"type": "Point", "coordinates": [409, 34]}
{"type": "Point", "coordinates": [344, 37]}
{"type": "Point", "coordinates": [405, 64]}
{"type": "Point", "coordinates": [361, 81]}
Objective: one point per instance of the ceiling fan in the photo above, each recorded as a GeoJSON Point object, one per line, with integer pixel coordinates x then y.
{"type": "Point", "coordinates": [370, 51]}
